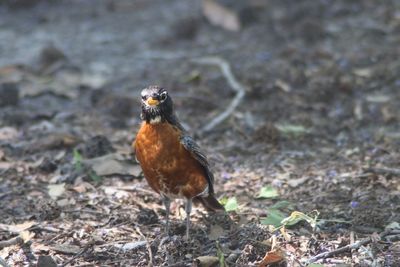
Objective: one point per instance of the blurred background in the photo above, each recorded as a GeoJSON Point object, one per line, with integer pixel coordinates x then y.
{"type": "Point", "coordinates": [321, 105]}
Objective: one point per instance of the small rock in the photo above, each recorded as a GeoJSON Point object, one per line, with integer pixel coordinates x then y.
{"type": "Point", "coordinates": [46, 261]}
{"type": "Point", "coordinates": [95, 147]}
{"type": "Point", "coordinates": [186, 28]}
{"type": "Point", "coordinates": [49, 56]}
{"type": "Point", "coordinates": [9, 94]}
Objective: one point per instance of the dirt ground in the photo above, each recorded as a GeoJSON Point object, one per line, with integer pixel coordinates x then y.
{"type": "Point", "coordinates": [319, 126]}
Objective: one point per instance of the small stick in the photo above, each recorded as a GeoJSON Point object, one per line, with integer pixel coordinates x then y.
{"type": "Point", "coordinates": [383, 170]}
{"type": "Point", "coordinates": [232, 81]}
{"type": "Point", "coordinates": [13, 241]}
{"type": "Point", "coordinates": [147, 245]}
{"type": "Point", "coordinates": [353, 246]}
{"type": "Point", "coordinates": [83, 251]}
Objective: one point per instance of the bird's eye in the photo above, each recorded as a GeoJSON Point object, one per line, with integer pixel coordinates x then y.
{"type": "Point", "coordinates": [163, 96]}
{"type": "Point", "coordinates": [144, 97]}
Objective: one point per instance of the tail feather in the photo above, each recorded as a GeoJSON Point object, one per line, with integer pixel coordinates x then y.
{"type": "Point", "coordinates": [210, 203]}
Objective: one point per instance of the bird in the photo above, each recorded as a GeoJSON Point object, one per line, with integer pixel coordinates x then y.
{"type": "Point", "coordinates": [172, 162]}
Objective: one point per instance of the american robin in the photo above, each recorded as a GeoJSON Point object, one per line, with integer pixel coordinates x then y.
{"type": "Point", "coordinates": [172, 162]}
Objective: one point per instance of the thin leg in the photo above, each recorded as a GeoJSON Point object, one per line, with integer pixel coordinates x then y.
{"type": "Point", "coordinates": [188, 209]}
{"type": "Point", "coordinates": [167, 203]}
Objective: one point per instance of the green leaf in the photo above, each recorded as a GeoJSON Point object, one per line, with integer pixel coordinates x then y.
{"type": "Point", "coordinates": [281, 205]}
{"type": "Point", "coordinates": [315, 265]}
{"type": "Point", "coordinates": [77, 160]}
{"type": "Point", "coordinates": [268, 192]}
{"type": "Point", "coordinates": [223, 200]}
{"type": "Point", "coordinates": [297, 217]}
{"type": "Point", "coordinates": [231, 204]}
{"type": "Point", "coordinates": [220, 255]}
{"type": "Point", "coordinates": [94, 176]}
{"type": "Point", "coordinates": [274, 218]}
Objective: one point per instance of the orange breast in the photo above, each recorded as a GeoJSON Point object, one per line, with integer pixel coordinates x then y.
{"type": "Point", "coordinates": [168, 167]}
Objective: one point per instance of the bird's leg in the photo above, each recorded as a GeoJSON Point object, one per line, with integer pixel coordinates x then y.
{"type": "Point", "coordinates": [167, 203]}
{"type": "Point", "coordinates": [188, 209]}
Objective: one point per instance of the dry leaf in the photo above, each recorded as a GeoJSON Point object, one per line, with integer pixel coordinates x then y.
{"type": "Point", "coordinates": [83, 187]}
{"type": "Point", "coordinates": [207, 261]}
{"type": "Point", "coordinates": [131, 245]}
{"type": "Point", "coordinates": [296, 182]}
{"type": "Point", "coordinates": [273, 256]}
{"type": "Point", "coordinates": [66, 202]}
{"type": "Point", "coordinates": [113, 164]}
{"type": "Point", "coordinates": [26, 236]}
{"type": "Point", "coordinates": [220, 15]}
{"type": "Point", "coordinates": [56, 190]}
{"type": "Point", "coordinates": [120, 194]}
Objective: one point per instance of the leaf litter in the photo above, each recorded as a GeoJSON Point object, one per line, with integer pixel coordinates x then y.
{"type": "Point", "coordinates": [317, 134]}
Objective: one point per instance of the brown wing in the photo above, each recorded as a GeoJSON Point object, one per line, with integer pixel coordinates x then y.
{"type": "Point", "coordinates": [194, 149]}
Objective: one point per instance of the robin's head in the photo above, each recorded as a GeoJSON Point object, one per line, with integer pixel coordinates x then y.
{"type": "Point", "coordinates": [156, 104]}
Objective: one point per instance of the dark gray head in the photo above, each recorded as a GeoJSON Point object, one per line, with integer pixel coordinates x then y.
{"type": "Point", "coordinates": [157, 105]}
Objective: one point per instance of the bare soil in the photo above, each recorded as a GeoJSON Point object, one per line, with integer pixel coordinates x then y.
{"type": "Point", "coordinates": [319, 123]}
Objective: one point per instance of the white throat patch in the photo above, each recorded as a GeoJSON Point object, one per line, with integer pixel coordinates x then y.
{"type": "Point", "coordinates": [155, 120]}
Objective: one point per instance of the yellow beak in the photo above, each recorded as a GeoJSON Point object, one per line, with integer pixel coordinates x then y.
{"type": "Point", "coordinates": [152, 101]}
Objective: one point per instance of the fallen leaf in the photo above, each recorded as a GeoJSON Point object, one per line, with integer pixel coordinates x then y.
{"type": "Point", "coordinates": [112, 164]}
{"type": "Point", "coordinates": [281, 205]}
{"type": "Point", "coordinates": [220, 15]}
{"type": "Point", "coordinates": [273, 256]}
{"type": "Point", "coordinates": [66, 202]}
{"type": "Point", "coordinates": [130, 246]}
{"type": "Point", "coordinates": [230, 204]}
{"type": "Point", "coordinates": [56, 190]}
{"type": "Point", "coordinates": [298, 216]}
{"type": "Point", "coordinates": [268, 192]}
{"type": "Point", "coordinates": [297, 182]}
{"type": "Point", "coordinates": [207, 261]}
{"type": "Point", "coordinates": [26, 236]}
{"type": "Point", "coordinates": [274, 218]}
{"type": "Point", "coordinates": [83, 187]}
{"type": "Point", "coordinates": [120, 194]}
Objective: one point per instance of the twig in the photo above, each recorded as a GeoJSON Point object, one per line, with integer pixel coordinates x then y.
{"type": "Point", "coordinates": [83, 251]}
{"type": "Point", "coordinates": [383, 170]}
{"type": "Point", "coordinates": [353, 246]}
{"type": "Point", "coordinates": [232, 81]}
{"type": "Point", "coordinates": [13, 241]}
{"type": "Point", "coordinates": [148, 247]}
